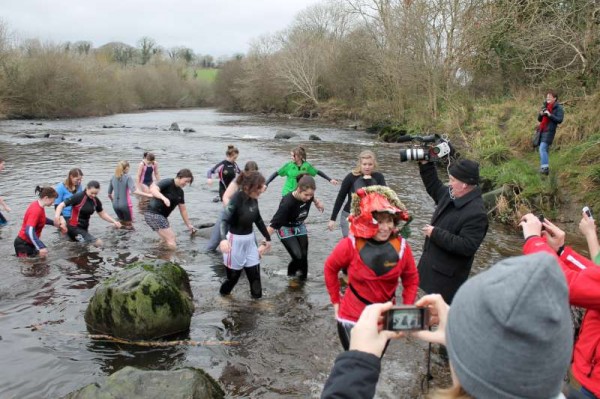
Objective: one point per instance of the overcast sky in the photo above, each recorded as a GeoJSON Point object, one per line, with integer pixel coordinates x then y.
{"type": "Point", "coordinates": [216, 27]}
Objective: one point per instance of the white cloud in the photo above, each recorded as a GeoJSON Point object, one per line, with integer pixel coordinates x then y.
{"type": "Point", "coordinates": [216, 27]}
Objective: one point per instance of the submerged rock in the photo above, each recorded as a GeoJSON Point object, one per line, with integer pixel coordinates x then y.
{"type": "Point", "coordinates": [314, 137]}
{"type": "Point", "coordinates": [174, 127]}
{"type": "Point", "coordinates": [132, 383]}
{"type": "Point", "coordinates": [189, 130]}
{"type": "Point", "coordinates": [285, 134]}
{"type": "Point", "coordinates": [143, 301]}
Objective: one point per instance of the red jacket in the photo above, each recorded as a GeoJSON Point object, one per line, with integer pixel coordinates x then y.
{"type": "Point", "coordinates": [370, 286]}
{"type": "Point", "coordinates": [583, 279]}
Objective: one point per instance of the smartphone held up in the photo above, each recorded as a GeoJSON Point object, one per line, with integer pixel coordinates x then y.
{"type": "Point", "coordinates": [406, 318]}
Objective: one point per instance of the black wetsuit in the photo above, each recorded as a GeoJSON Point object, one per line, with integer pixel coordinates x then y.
{"type": "Point", "coordinates": [289, 223]}
{"type": "Point", "coordinates": [227, 171]}
{"type": "Point", "coordinates": [83, 208]}
{"type": "Point", "coordinates": [238, 218]}
{"type": "Point", "coordinates": [349, 185]}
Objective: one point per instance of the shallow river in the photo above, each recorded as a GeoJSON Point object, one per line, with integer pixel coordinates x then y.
{"type": "Point", "coordinates": [280, 346]}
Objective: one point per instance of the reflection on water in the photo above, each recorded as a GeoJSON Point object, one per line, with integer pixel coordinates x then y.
{"type": "Point", "coordinates": [281, 345]}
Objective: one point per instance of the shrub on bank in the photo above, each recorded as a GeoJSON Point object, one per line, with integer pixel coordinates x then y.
{"type": "Point", "coordinates": [45, 81]}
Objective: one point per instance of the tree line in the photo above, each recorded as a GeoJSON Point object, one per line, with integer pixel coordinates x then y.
{"type": "Point", "coordinates": [44, 80]}
{"type": "Point", "coordinates": [408, 60]}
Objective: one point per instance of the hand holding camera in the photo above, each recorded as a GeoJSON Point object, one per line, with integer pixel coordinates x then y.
{"type": "Point", "coordinates": [367, 335]}
{"type": "Point", "coordinates": [587, 225]}
{"type": "Point", "coordinates": [438, 316]}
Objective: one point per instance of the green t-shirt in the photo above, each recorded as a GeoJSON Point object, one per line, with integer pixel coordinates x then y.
{"type": "Point", "coordinates": [597, 259]}
{"type": "Point", "coordinates": [291, 171]}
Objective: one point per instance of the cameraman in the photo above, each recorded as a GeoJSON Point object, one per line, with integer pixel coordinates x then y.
{"type": "Point", "coordinates": [457, 228]}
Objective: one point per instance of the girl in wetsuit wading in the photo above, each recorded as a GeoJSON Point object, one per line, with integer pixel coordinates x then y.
{"type": "Point", "coordinates": [363, 175]}
{"type": "Point", "coordinates": [120, 188]}
{"type": "Point", "coordinates": [238, 243]}
{"type": "Point", "coordinates": [147, 172]}
{"type": "Point", "coordinates": [28, 242]}
{"type": "Point", "coordinates": [288, 222]}
{"type": "Point", "coordinates": [296, 166]}
{"type": "Point", "coordinates": [84, 205]}
{"type": "Point", "coordinates": [227, 170]}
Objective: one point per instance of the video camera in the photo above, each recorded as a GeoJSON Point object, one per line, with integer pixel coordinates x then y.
{"type": "Point", "coordinates": [432, 148]}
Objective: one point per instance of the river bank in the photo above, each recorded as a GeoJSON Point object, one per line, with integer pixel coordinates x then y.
{"type": "Point", "coordinates": [497, 133]}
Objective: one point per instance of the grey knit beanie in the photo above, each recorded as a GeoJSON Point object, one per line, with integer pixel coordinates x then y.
{"type": "Point", "coordinates": [509, 330]}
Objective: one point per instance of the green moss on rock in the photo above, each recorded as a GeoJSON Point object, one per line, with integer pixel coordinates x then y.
{"type": "Point", "coordinates": [143, 301]}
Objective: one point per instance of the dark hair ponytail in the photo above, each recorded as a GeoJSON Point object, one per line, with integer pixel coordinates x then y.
{"type": "Point", "coordinates": [47, 191]}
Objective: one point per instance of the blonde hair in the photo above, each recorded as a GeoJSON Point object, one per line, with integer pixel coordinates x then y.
{"type": "Point", "coordinates": [120, 169]}
{"type": "Point", "coordinates": [454, 392]}
{"type": "Point", "coordinates": [300, 152]}
{"type": "Point", "coordinates": [364, 154]}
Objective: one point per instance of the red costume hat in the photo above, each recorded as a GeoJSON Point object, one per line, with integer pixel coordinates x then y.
{"type": "Point", "coordinates": [374, 199]}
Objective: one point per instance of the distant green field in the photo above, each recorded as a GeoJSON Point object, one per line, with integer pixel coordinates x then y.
{"type": "Point", "coordinates": [208, 74]}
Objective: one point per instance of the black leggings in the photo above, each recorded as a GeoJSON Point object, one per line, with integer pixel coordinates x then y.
{"type": "Point", "coordinates": [253, 274]}
{"type": "Point", "coordinates": [297, 247]}
{"type": "Point", "coordinates": [344, 334]}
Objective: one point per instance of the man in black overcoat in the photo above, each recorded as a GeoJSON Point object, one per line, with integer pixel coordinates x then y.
{"type": "Point", "coordinates": [457, 228]}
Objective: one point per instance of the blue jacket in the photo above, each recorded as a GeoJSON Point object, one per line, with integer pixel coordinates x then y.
{"type": "Point", "coordinates": [555, 117]}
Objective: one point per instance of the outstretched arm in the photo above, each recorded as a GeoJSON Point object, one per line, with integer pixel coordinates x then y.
{"type": "Point", "coordinates": [184, 216]}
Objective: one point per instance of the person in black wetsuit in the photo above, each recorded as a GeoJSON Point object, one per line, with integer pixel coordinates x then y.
{"type": "Point", "coordinates": [84, 204]}
{"type": "Point", "coordinates": [168, 194]}
{"type": "Point", "coordinates": [289, 224]}
{"type": "Point", "coordinates": [238, 243]}
{"type": "Point", "coordinates": [363, 175]}
{"type": "Point", "coordinates": [227, 170]}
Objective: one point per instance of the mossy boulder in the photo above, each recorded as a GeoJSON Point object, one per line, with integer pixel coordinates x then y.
{"type": "Point", "coordinates": [142, 301]}
{"type": "Point", "coordinates": [132, 383]}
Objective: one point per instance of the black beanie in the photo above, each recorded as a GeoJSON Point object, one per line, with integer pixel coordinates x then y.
{"type": "Point", "coordinates": [465, 170]}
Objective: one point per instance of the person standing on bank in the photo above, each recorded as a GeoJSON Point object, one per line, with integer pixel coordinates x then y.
{"type": "Point", "coordinates": [363, 175]}
{"type": "Point", "coordinates": [551, 114]}
{"type": "Point", "coordinates": [168, 194]}
{"type": "Point", "coordinates": [288, 222]}
{"type": "Point", "coordinates": [293, 168]}
{"type": "Point", "coordinates": [238, 243]}
{"type": "Point", "coordinates": [457, 228]}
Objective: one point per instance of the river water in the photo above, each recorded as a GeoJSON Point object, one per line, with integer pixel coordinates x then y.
{"type": "Point", "coordinates": [280, 346]}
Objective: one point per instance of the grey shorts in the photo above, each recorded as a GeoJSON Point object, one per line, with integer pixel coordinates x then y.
{"type": "Point", "coordinates": [156, 221]}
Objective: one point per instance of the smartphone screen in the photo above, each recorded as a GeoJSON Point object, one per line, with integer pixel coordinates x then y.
{"type": "Point", "coordinates": [406, 319]}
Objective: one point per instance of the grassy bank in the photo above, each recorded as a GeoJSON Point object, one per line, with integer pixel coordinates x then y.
{"type": "Point", "coordinates": [498, 133]}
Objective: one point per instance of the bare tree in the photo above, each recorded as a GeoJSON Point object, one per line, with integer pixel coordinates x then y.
{"type": "Point", "coordinates": [146, 46]}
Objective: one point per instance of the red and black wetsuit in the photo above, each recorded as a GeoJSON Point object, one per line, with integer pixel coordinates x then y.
{"type": "Point", "coordinates": [28, 241]}
{"type": "Point", "coordinates": [83, 208]}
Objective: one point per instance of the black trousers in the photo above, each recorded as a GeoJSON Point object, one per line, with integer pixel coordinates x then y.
{"type": "Point", "coordinates": [253, 275]}
{"type": "Point", "coordinates": [344, 334]}
{"type": "Point", "coordinates": [297, 247]}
